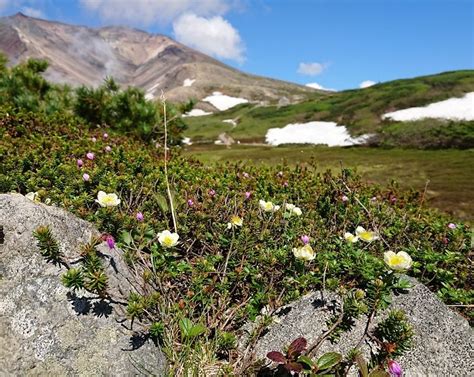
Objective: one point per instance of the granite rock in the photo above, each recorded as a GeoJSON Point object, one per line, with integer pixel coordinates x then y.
{"type": "Point", "coordinates": [44, 329]}
{"type": "Point", "coordinates": [443, 342]}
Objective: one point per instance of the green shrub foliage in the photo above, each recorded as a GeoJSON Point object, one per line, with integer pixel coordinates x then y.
{"type": "Point", "coordinates": [23, 88]}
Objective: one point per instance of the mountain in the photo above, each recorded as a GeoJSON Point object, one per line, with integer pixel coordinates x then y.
{"type": "Point", "coordinates": [81, 55]}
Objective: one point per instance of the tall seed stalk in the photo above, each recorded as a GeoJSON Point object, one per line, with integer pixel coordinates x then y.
{"type": "Point", "coordinates": [168, 190]}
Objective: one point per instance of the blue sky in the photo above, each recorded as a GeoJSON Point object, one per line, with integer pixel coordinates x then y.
{"type": "Point", "coordinates": [335, 43]}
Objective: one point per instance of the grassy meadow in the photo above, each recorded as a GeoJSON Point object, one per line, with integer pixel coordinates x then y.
{"type": "Point", "coordinates": [447, 174]}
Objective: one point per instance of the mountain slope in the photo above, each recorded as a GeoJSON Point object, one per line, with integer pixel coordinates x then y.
{"type": "Point", "coordinates": [360, 110]}
{"type": "Point", "coordinates": [82, 55]}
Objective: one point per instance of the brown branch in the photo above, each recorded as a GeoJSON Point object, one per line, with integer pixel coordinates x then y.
{"type": "Point", "coordinates": [312, 350]}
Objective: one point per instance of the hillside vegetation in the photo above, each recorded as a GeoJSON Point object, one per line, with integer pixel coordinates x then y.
{"type": "Point", "coordinates": [360, 110]}
{"type": "Point", "coordinates": [210, 249]}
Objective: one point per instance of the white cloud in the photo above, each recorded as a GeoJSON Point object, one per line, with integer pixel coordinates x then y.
{"type": "Point", "coordinates": [315, 85]}
{"type": "Point", "coordinates": [366, 84]}
{"type": "Point", "coordinates": [32, 12]}
{"type": "Point", "coordinates": [213, 36]}
{"type": "Point", "coordinates": [311, 69]}
{"type": "Point", "coordinates": [147, 12]}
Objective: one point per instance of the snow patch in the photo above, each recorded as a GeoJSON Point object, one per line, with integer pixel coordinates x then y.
{"type": "Point", "coordinates": [186, 141]}
{"type": "Point", "coordinates": [315, 85]}
{"type": "Point", "coordinates": [313, 133]}
{"type": "Point", "coordinates": [367, 84]}
{"type": "Point", "coordinates": [223, 102]}
{"type": "Point", "coordinates": [196, 113]}
{"type": "Point", "coordinates": [453, 109]}
{"type": "Point", "coordinates": [230, 121]}
{"type": "Point", "coordinates": [149, 93]}
{"type": "Point", "coordinates": [152, 89]}
{"type": "Point", "coordinates": [188, 82]}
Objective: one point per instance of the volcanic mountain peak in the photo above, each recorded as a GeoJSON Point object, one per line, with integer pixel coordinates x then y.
{"type": "Point", "coordinates": [82, 55]}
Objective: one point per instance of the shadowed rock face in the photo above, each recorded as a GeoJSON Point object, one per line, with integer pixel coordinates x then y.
{"type": "Point", "coordinates": [45, 329]}
{"type": "Point", "coordinates": [443, 341]}
{"type": "Point", "coordinates": [80, 55]}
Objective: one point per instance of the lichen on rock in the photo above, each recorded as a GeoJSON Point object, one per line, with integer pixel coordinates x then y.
{"type": "Point", "coordinates": [41, 322]}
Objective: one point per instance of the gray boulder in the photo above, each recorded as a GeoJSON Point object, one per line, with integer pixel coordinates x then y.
{"type": "Point", "coordinates": [44, 329]}
{"type": "Point", "coordinates": [443, 341]}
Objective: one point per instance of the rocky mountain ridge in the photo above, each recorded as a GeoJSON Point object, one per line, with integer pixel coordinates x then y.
{"type": "Point", "coordinates": [82, 55]}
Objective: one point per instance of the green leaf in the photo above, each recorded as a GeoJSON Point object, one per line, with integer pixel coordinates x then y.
{"type": "Point", "coordinates": [190, 330]}
{"type": "Point", "coordinates": [197, 330]}
{"type": "Point", "coordinates": [126, 237]}
{"type": "Point", "coordinates": [162, 202]}
{"type": "Point", "coordinates": [328, 360]}
{"type": "Point", "coordinates": [185, 325]}
{"type": "Point", "coordinates": [362, 364]}
{"type": "Point", "coordinates": [306, 360]}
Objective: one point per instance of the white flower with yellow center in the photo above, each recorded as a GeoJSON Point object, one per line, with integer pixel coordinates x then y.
{"type": "Point", "coordinates": [33, 196]}
{"type": "Point", "coordinates": [400, 261]}
{"type": "Point", "coordinates": [107, 200]}
{"type": "Point", "coordinates": [268, 206]}
{"type": "Point", "coordinates": [293, 209]}
{"type": "Point", "coordinates": [234, 222]}
{"type": "Point", "coordinates": [349, 237]}
{"type": "Point", "coordinates": [305, 252]}
{"type": "Point", "coordinates": [366, 235]}
{"type": "Point", "coordinates": [168, 239]}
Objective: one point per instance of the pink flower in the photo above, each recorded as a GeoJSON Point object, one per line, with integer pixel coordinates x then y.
{"type": "Point", "coordinates": [85, 177]}
{"type": "Point", "coordinates": [394, 369]}
{"type": "Point", "coordinates": [393, 199]}
{"type": "Point", "coordinates": [445, 241]}
{"type": "Point", "coordinates": [248, 195]}
{"type": "Point", "coordinates": [108, 148]}
{"type": "Point", "coordinates": [110, 242]}
{"type": "Point", "coordinates": [139, 216]}
{"type": "Point", "coordinates": [93, 139]}
{"type": "Point", "coordinates": [190, 202]}
{"type": "Point", "coordinates": [344, 198]}
{"type": "Point", "coordinates": [451, 226]}
{"type": "Point", "coordinates": [245, 175]}
{"type": "Point", "coordinates": [285, 184]}
{"type": "Point", "coordinates": [212, 193]}
{"type": "Point", "coordinates": [305, 239]}
{"type": "Point", "coordinates": [105, 135]}
{"type": "Point", "coordinates": [80, 163]}
{"type": "Point", "coordinates": [90, 155]}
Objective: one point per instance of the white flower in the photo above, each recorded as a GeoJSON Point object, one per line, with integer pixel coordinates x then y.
{"type": "Point", "coordinates": [268, 206]}
{"type": "Point", "coordinates": [305, 252]}
{"type": "Point", "coordinates": [297, 211]}
{"type": "Point", "coordinates": [349, 237]}
{"type": "Point", "coordinates": [234, 222]}
{"type": "Point", "coordinates": [33, 196]}
{"type": "Point", "coordinates": [168, 239]}
{"type": "Point", "coordinates": [293, 209]}
{"type": "Point", "coordinates": [366, 235]}
{"type": "Point", "coordinates": [107, 200]}
{"type": "Point", "coordinates": [400, 261]}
